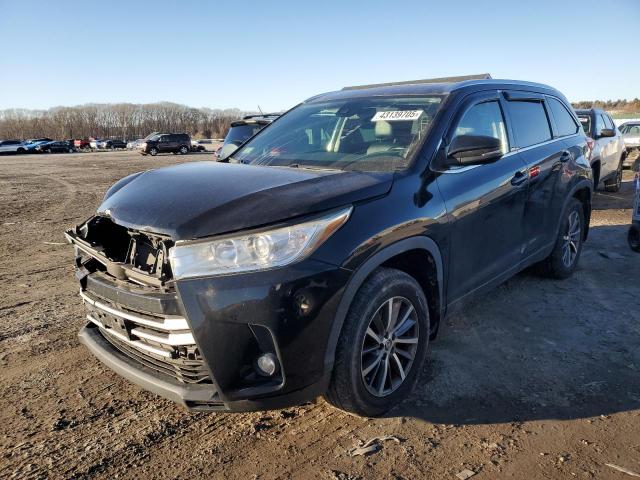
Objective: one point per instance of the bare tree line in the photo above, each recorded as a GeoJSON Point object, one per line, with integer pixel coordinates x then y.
{"type": "Point", "coordinates": [611, 105]}
{"type": "Point", "coordinates": [124, 121]}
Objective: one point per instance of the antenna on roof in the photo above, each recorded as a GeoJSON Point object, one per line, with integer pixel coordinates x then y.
{"type": "Point", "coordinates": [260, 110]}
{"type": "Point", "coordinates": [480, 76]}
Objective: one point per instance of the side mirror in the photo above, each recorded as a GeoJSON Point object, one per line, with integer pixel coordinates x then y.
{"type": "Point", "coordinates": [607, 132]}
{"type": "Point", "coordinates": [473, 150]}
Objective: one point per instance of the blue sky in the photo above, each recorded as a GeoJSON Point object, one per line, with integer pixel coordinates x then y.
{"type": "Point", "coordinates": [275, 54]}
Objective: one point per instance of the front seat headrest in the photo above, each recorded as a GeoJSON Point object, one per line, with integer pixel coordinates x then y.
{"type": "Point", "coordinates": [382, 129]}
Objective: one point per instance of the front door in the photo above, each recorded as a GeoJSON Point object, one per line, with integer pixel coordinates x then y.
{"type": "Point", "coordinates": [485, 203]}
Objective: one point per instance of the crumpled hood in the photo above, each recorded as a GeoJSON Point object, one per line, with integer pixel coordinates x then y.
{"type": "Point", "coordinates": [195, 200]}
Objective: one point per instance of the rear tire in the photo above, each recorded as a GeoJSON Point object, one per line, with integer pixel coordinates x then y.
{"type": "Point", "coordinates": [378, 361]}
{"type": "Point", "coordinates": [566, 252]}
{"type": "Point", "coordinates": [183, 150]}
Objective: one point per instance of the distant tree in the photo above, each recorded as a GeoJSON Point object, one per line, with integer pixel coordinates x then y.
{"type": "Point", "coordinates": [123, 120]}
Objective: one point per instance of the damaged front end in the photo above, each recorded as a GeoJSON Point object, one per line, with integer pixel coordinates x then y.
{"type": "Point", "coordinates": [136, 322]}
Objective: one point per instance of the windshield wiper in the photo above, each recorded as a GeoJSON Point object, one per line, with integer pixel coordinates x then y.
{"type": "Point", "coordinates": [308, 167]}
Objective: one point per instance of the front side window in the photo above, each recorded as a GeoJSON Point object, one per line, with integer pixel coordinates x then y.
{"type": "Point", "coordinates": [599, 124]}
{"type": "Point", "coordinates": [484, 119]}
{"type": "Point", "coordinates": [370, 134]}
{"type": "Point", "coordinates": [608, 122]}
{"type": "Point", "coordinates": [530, 123]}
{"type": "Point", "coordinates": [564, 120]}
{"type": "Point", "coordinates": [630, 129]}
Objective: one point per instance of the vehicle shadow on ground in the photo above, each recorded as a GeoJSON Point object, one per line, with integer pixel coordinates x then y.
{"type": "Point", "coordinates": [539, 349]}
{"type": "Point", "coordinates": [604, 200]}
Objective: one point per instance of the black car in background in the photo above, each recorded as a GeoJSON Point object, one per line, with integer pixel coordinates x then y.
{"type": "Point", "coordinates": [242, 130]}
{"type": "Point", "coordinates": [56, 147]}
{"type": "Point", "coordinates": [323, 256]}
{"type": "Point", "coordinates": [112, 144]}
{"type": "Point", "coordinates": [166, 143]}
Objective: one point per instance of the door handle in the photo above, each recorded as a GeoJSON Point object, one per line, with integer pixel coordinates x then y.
{"type": "Point", "coordinates": [566, 155]}
{"type": "Point", "coordinates": [519, 178]}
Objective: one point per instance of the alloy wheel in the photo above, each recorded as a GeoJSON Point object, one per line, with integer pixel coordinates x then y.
{"type": "Point", "coordinates": [571, 239]}
{"type": "Point", "coordinates": [389, 346]}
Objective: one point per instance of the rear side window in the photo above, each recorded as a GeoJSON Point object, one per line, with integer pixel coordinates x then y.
{"type": "Point", "coordinates": [484, 119]}
{"type": "Point", "coordinates": [564, 120]}
{"type": "Point", "coordinates": [530, 123]}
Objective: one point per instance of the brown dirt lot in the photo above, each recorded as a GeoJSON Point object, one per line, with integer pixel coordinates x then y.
{"type": "Point", "coordinates": [540, 379]}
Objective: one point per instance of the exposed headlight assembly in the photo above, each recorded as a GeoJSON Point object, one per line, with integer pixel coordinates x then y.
{"type": "Point", "coordinates": [260, 250]}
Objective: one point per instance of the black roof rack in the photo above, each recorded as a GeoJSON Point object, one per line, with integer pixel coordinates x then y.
{"type": "Point", "coordinates": [481, 76]}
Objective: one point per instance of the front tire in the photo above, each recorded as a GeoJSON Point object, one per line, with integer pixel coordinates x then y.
{"type": "Point", "coordinates": [566, 252]}
{"type": "Point", "coordinates": [382, 346]}
{"type": "Point", "coordinates": [153, 152]}
{"type": "Point", "coordinates": [613, 185]}
{"type": "Point", "coordinates": [184, 150]}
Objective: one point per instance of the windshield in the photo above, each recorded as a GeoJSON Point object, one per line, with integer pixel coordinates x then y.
{"type": "Point", "coordinates": [371, 134]}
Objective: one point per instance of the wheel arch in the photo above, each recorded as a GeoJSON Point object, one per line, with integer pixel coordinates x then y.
{"type": "Point", "coordinates": [583, 192]}
{"type": "Point", "coordinates": [392, 256]}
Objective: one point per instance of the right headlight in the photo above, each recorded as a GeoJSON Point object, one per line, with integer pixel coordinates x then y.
{"type": "Point", "coordinates": [254, 251]}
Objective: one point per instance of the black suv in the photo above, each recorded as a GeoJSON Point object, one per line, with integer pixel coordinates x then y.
{"type": "Point", "coordinates": [166, 143]}
{"type": "Point", "coordinates": [242, 130]}
{"type": "Point", "coordinates": [323, 256]}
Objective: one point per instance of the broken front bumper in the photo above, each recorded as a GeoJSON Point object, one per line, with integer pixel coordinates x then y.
{"type": "Point", "coordinates": [197, 345]}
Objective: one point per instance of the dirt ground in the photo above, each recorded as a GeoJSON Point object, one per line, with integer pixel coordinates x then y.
{"type": "Point", "coordinates": [540, 379]}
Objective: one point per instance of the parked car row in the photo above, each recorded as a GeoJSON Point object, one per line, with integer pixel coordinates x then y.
{"type": "Point", "coordinates": [174, 143]}
{"type": "Point", "coordinates": [41, 145]}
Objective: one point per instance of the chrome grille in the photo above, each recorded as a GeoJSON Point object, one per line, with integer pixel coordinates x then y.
{"type": "Point", "coordinates": [163, 343]}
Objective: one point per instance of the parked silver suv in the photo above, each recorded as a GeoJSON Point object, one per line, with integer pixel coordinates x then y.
{"type": "Point", "coordinates": [607, 150]}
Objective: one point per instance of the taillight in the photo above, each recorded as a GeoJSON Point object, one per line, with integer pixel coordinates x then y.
{"type": "Point", "coordinates": [590, 144]}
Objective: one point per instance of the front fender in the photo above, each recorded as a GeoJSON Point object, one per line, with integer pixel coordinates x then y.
{"type": "Point", "coordinates": [364, 270]}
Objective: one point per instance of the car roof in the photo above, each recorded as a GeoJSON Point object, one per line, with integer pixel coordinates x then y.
{"type": "Point", "coordinates": [587, 111]}
{"type": "Point", "coordinates": [427, 87]}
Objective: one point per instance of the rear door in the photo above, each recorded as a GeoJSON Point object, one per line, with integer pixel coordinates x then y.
{"type": "Point", "coordinates": [485, 203]}
{"type": "Point", "coordinates": [544, 152]}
